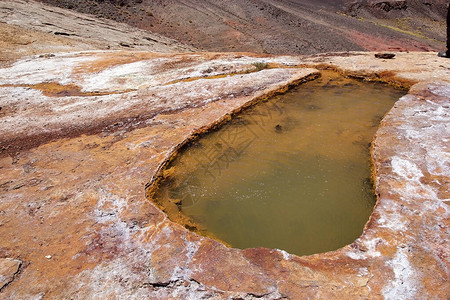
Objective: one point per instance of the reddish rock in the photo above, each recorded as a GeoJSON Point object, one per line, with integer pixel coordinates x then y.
{"type": "Point", "coordinates": [76, 190]}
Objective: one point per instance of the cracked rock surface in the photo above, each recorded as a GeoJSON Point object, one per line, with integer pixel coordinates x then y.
{"type": "Point", "coordinates": [9, 267]}
{"type": "Point", "coordinates": [83, 133]}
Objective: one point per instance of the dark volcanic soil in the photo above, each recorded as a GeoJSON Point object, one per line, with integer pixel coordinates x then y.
{"type": "Point", "coordinates": [283, 26]}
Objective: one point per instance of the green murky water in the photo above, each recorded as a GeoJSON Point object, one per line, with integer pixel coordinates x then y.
{"type": "Point", "coordinates": [292, 173]}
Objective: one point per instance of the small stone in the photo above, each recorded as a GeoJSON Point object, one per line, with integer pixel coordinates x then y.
{"type": "Point", "coordinates": [48, 256]}
{"type": "Point", "coordinates": [385, 55]}
{"type": "Point", "coordinates": [278, 128]}
{"type": "Point", "coordinates": [176, 201]}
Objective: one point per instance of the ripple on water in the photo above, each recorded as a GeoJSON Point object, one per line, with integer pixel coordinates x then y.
{"type": "Point", "coordinates": [292, 173]}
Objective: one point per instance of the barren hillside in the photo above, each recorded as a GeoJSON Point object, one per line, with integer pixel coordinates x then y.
{"type": "Point", "coordinates": [283, 26]}
{"type": "Point", "coordinates": [29, 28]}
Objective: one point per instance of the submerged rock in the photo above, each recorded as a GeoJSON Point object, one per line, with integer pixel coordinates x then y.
{"type": "Point", "coordinates": [278, 128]}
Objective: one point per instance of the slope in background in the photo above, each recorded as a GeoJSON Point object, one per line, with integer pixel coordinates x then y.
{"type": "Point", "coordinates": [283, 26]}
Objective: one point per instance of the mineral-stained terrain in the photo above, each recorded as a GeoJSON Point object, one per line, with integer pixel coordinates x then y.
{"type": "Point", "coordinates": [282, 26]}
{"type": "Point", "coordinates": [83, 135]}
{"type": "Point", "coordinates": [75, 220]}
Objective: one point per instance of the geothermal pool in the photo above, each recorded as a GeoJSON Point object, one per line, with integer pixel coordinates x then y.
{"type": "Point", "coordinates": [292, 173]}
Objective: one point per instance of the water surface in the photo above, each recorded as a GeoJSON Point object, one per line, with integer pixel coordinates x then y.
{"type": "Point", "coordinates": [292, 173]}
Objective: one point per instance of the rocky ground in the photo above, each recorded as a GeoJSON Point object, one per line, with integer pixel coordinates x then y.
{"type": "Point", "coordinates": [282, 27]}
{"type": "Point", "coordinates": [75, 220]}
{"type": "Point", "coordinates": [28, 28]}
{"type": "Point", "coordinates": [83, 136]}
